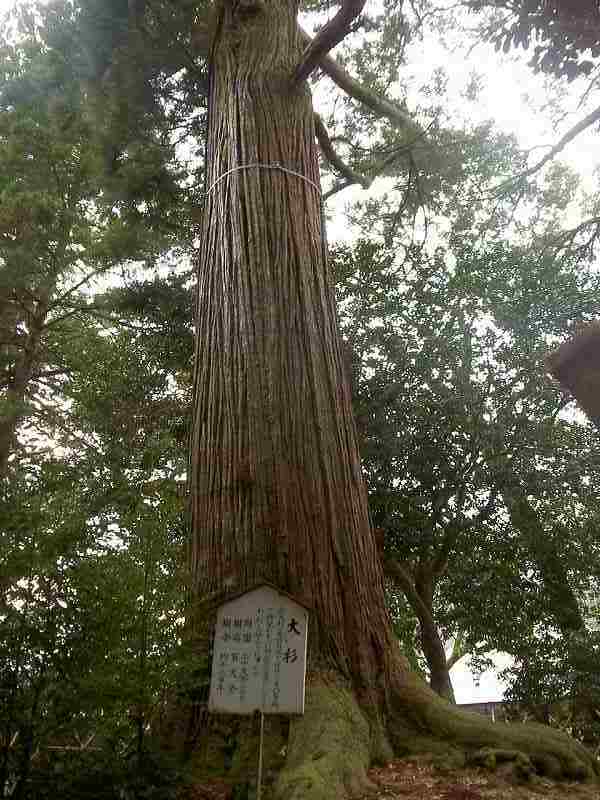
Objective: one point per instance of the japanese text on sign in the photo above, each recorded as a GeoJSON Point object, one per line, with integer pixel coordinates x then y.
{"type": "Point", "coordinates": [259, 656]}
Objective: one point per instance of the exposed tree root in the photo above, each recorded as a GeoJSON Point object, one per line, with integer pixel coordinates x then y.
{"type": "Point", "coordinates": [333, 744]}
{"type": "Point", "coordinates": [421, 716]}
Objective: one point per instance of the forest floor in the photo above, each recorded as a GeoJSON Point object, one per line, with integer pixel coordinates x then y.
{"type": "Point", "coordinates": [418, 779]}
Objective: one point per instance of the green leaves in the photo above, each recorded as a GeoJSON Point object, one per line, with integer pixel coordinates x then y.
{"type": "Point", "coordinates": [472, 476]}
{"type": "Point", "coordinates": [94, 393]}
{"type": "Point", "coordinates": [91, 549]}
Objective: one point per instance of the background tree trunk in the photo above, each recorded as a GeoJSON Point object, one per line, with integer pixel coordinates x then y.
{"type": "Point", "coordinates": [435, 654]}
{"type": "Point", "coordinates": [418, 585]}
{"type": "Point", "coordinates": [431, 641]}
{"type": "Point", "coordinates": [563, 603]}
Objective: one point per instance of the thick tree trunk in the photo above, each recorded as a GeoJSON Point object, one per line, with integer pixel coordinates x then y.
{"type": "Point", "coordinates": [276, 486]}
{"type": "Point", "coordinates": [435, 654]}
{"type": "Point", "coordinates": [277, 490]}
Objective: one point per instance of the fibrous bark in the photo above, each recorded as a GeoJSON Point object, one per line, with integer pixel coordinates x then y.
{"type": "Point", "coordinates": [277, 490]}
{"type": "Point", "coordinates": [276, 486]}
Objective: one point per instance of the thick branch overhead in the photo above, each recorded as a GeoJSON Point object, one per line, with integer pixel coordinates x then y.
{"type": "Point", "coordinates": [380, 106]}
{"type": "Point", "coordinates": [582, 125]}
{"type": "Point", "coordinates": [586, 122]}
{"type": "Point", "coordinates": [330, 34]}
{"type": "Point", "coordinates": [336, 162]}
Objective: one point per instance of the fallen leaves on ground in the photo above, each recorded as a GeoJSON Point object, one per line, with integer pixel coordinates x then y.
{"type": "Point", "coordinates": [213, 789]}
{"type": "Point", "coordinates": [419, 779]}
{"type": "Point", "coordinates": [409, 779]}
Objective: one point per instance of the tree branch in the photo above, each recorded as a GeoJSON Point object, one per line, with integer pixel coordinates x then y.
{"type": "Point", "coordinates": [62, 419]}
{"type": "Point", "coordinates": [380, 106]}
{"type": "Point", "coordinates": [459, 652]}
{"type": "Point", "coordinates": [51, 373]}
{"type": "Point", "coordinates": [567, 238]}
{"type": "Point", "coordinates": [395, 570]}
{"type": "Point", "coordinates": [586, 122]}
{"type": "Point", "coordinates": [330, 34]}
{"type": "Point", "coordinates": [440, 563]}
{"type": "Point", "coordinates": [337, 187]}
{"type": "Point", "coordinates": [336, 162]}
{"type": "Point", "coordinates": [92, 274]}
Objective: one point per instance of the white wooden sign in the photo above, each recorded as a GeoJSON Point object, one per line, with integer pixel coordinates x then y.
{"type": "Point", "coordinates": [259, 655]}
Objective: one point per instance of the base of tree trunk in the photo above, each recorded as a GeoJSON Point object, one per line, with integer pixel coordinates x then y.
{"type": "Point", "coordinates": [332, 746]}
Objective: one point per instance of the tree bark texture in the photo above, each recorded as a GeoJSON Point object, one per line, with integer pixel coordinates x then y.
{"type": "Point", "coordinates": [276, 486]}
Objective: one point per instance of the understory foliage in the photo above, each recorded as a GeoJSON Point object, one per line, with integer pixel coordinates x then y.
{"type": "Point", "coordinates": [94, 393]}
{"type": "Point", "coordinates": [91, 553]}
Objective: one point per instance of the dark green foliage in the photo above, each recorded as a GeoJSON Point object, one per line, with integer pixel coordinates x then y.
{"type": "Point", "coordinates": [564, 37]}
{"type": "Point", "coordinates": [90, 624]}
{"type": "Point", "coordinates": [99, 774]}
{"type": "Point", "coordinates": [163, 306]}
{"type": "Point", "coordinates": [477, 487]}
{"type": "Point", "coordinates": [91, 511]}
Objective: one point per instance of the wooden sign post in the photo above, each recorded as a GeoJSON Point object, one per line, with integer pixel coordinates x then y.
{"type": "Point", "coordinates": [259, 657]}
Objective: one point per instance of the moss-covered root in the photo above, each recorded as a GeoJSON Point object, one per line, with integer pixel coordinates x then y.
{"type": "Point", "coordinates": [550, 752]}
{"type": "Point", "coordinates": [330, 747]}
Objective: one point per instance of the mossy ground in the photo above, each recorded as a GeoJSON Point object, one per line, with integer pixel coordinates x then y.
{"type": "Point", "coordinates": [425, 723]}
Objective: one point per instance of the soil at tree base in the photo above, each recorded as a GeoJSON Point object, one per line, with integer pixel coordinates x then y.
{"type": "Point", "coordinates": [419, 779]}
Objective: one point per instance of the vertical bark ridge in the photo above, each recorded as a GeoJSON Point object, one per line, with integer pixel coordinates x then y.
{"type": "Point", "coordinates": [276, 484]}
